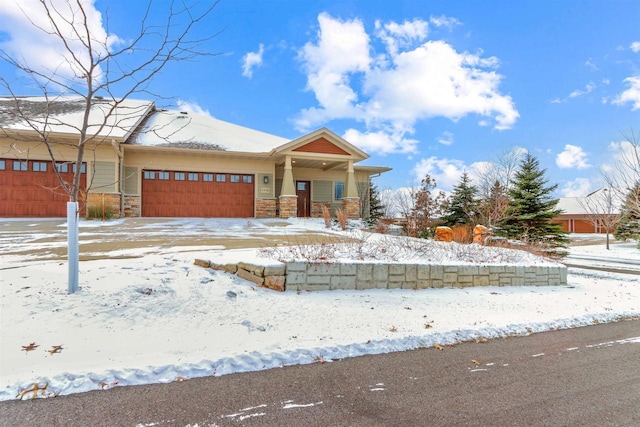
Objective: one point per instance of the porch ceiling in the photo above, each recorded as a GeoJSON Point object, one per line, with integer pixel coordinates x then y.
{"type": "Point", "coordinates": [301, 162]}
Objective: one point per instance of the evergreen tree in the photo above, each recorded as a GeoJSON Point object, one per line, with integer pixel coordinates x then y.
{"type": "Point", "coordinates": [463, 206]}
{"type": "Point", "coordinates": [376, 208]}
{"type": "Point", "coordinates": [629, 224]}
{"type": "Point", "coordinates": [531, 209]}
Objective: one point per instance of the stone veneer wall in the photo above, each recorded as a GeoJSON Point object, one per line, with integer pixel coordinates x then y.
{"type": "Point", "coordinates": [351, 206]}
{"type": "Point", "coordinates": [288, 206]}
{"type": "Point", "coordinates": [132, 206]}
{"type": "Point", "coordinates": [265, 208]}
{"type": "Point", "coordinates": [316, 208]}
{"type": "Point", "coordinates": [308, 276]}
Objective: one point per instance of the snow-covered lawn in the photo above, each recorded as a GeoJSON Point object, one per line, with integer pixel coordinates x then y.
{"type": "Point", "coordinates": [159, 318]}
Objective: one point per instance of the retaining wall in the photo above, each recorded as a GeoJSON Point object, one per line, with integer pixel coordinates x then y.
{"type": "Point", "coordinates": [310, 276]}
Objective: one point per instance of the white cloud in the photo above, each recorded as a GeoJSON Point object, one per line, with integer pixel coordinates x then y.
{"type": "Point", "coordinates": [635, 46]}
{"type": "Point", "coordinates": [412, 80]}
{"type": "Point", "coordinates": [192, 107]}
{"type": "Point", "coordinates": [444, 21]}
{"type": "Point", "coordinates": [572, 157]}
{"type": "Point", "coordinates": [446, 138]}
{"type": "Point", "coordinates": [446, 172]}
{"type": "Point", "coordinates": [578, 187]}
{"type": "Point", "coordinates": [588, 89]}
{"type": "Point", "coordinates": [632, 94]}
{"type": "Point", "coordinates": [252, 60]}
{"type": "Point", "coordinates": [381, 142]}
{"type": "Point", "coordinates": [47, 54]}
{"type": "Point", "coordinates": [591, 64]}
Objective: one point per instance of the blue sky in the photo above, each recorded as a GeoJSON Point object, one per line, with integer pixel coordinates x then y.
{"type": "Point", "coordinates": [434, 87]}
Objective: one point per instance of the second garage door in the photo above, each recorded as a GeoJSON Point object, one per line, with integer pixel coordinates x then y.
{"type": "Point", "coordinates": [197, 194]}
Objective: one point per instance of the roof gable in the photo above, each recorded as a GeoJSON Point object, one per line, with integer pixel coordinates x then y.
{"type": "Point", "coordinates": [322, 141]}
{"type": "Point", "coordinates": [322, 146]}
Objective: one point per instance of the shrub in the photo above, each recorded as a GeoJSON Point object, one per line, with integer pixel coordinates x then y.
{"type": "Point", "coordinates": [100, 211]}
{"type": "Point", "coordinates": [462, 234]}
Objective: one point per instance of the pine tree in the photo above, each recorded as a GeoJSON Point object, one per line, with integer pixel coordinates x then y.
{"type": "Point", "coordinates": [376, 208]}
{"type": "Point", "coordinates": [629, 224]}
{"type": "Point", "coordinates": [463, 206]}
{"type": "Point", "coordinates": [531, 209]}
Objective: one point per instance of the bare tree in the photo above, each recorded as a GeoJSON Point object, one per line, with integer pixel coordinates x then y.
{"type": "Point", "coordinates": [100, 72]}
{"type": "Point", "coordinates": [603, 210]}
{"type": "Point", "coordinates": [624, 173]}
{"type": "Point", "coordinates": [501, 170]}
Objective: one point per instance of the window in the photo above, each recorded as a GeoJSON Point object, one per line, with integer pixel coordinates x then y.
{"type": "Point", "coordinates": [247, 179]}
{"type": "Point", "coordinates": [193, 176]}
{"type": "Point", "coordinates": [39, 166]}
{"type": "Point", "coordinates": [221, 178]}
{"type": "Point", "coordinates": [2, 165]}
{"type": "Point", "coordinates": [83, 168]}
{"type": "Point", "coordinates": [301, 186]}
{"type": "Point", "coordinates": [178, 176]}
{"type": "Point", "coordinates": [164, 176]}
{"type": "Point", "coordinates": [149, 175]}
{"type": "Point", "coordinates": [207, 177]}
{"type": "Point", "coordinates": [20, 166]}
{"type": "Point", "coordinates": [338, 190]}
{"type": "Point", "coordinates": [235, 178]}
{"type": "Point", "coordinates": [62, 167]}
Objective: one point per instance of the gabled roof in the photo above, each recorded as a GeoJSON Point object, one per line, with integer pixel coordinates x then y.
{"type": "Point", "coordinates": [198, 131]}
{"type": "Point", "coordinates": [63, 115]}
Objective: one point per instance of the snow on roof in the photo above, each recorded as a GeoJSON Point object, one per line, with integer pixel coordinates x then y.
{"type": "Point", "coordinates": [192, 130]}
{"type": "Point", "coordinates": [65, 114]}
{"type": "Point", "coordinates": [601, 201]}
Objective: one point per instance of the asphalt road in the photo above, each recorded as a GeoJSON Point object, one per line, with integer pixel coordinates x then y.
{"type": "Point", "coordinates": [587, 376]}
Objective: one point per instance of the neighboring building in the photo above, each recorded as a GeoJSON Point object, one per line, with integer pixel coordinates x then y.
{"type": "Point", "coordinates": [581, 214]}
{"type": "Point", "coordinates": [158, 163]}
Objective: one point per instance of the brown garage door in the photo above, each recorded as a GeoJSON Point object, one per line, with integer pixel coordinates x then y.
{"type": "Point", "coordinates": [30, 188]}
{"type": "Point", "coordinates": [197, 194]}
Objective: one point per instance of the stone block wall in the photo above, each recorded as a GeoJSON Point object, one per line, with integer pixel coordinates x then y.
{"type": "Point", "coordinates": [309, 276]}
{"type": "Point", "coordinates": [265, 208]}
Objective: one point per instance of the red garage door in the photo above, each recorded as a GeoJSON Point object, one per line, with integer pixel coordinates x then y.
{"type": "Point", "coordinates": [30, 188]}
{"type": "Point", "coordinates": [197, 194]}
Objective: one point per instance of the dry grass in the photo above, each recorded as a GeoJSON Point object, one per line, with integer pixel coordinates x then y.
{"type": "Point", "coordinates": [326, 215]}
{"type": "Point", "coordinates": [462, 234]}
{"type": "Point", "coordinates": [341, 215]}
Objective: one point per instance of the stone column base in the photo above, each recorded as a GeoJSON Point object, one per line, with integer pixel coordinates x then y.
{"type": "Point", "coordinates": [351, 207]}
{"type": "Point", "coordinates": [265, 208]}
{"type": "Point", "coordinates": [288, 206]}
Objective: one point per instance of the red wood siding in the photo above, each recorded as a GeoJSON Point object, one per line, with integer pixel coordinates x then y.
{"type": "Point", "coordinates": [197, 199]}
{"type": "Point", "coordinates": [322, 146]}
{"type": "Point", "coordinates": [32, 193]}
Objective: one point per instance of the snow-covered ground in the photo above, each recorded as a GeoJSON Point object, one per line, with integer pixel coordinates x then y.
{"type": "Point", "coordinates": [159, 318]}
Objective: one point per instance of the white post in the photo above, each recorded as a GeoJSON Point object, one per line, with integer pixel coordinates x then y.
{"type": "Point", "coordinates": [72, 245]}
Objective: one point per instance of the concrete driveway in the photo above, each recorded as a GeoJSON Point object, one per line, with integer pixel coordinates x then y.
{"type": "Point", "coordinates": [45, 239]}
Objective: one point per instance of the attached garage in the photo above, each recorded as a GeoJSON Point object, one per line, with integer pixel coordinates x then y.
{"type": "Point", "coordinates": [30, 188]}
{"type": "Point", "coordinates": [197, 194]}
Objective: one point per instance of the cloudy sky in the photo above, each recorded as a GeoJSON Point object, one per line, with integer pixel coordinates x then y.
{"type": "Point", "coordinates": [425, 87]}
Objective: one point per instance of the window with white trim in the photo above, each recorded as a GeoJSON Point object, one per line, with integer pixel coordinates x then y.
{"type": "Point", "coordinates": [247, 179]}
{"type": "Point", "coordinates": [62, 167]}
{"type": "Point", "coordinates": [193, 176]}
{"type": "Point", "coordinates": [83, 168]}
{"type": "Point", "coordinates": [163, 176]}
{"type": "Point", "coordinates": [221, 177]}
{"type": "Point", "coordinates": [338, 190]}
{"type": "Point", "coordinates": [234, 178]}
{"type": "Point", "coordinates": [149, 175]}
{"type": "Point", "coordinates": [3, 165]}
{"type": "Point", "coordinates": [207, 177]}
{"type": "Point", "coordinates": [178, 176]}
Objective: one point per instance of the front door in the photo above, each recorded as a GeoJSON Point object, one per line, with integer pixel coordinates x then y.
{"type": "Point", "coordinates": [303, 191]}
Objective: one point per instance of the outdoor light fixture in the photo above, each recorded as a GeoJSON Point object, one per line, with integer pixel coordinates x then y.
{"type": "Point", "coordinates": [265, 179]}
